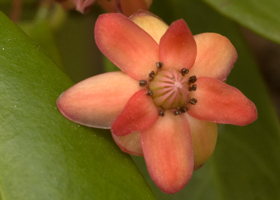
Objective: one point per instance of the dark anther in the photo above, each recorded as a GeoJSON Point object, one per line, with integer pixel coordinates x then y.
{"type": "Point", "coordinates": [192, 79]}
{"type": "Point", "coordinates": [150, 93]}
{"type": "Point", "coordinates": [184, 109]}
{"type": "Point", "coordinates": [161, 112]}
{"type": "Point", "coordinates": [152, 74]}
{"type": "Point", "coordinates": [177, 112]}
{"type": "Point", "coordinates": [193, 87]}
{"type": "Point", "coordinates": [142, 83]}
{"type": "Point", "coordinates": [193, 101]}
{"type": "Point", "coordinates": [159, 65]}
{"type": "Point", "coordinates": [184, 71]}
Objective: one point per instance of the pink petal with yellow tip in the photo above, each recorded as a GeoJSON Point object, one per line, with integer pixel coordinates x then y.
{"type": "Point", "coordinates": [167, 148]}
{"type": "Point", "coordinates": [204, 138]}
{"type": "Point", "coordinates": [150, 23]}
{"type": "Point", "coordinates": [215, 56]}
{"type": "Point", "coordinates": [139, 114]}
{"type": "Point", "coordinates": [127, 45]}
{"type": "Point", "coordinates": [220, 103]}
{"type": "Point", "coordinates": [177, 47]}
{"type": "Point", "coordinates": [97, 101]}
{"type": "Point", "coordinates": [130, 143]}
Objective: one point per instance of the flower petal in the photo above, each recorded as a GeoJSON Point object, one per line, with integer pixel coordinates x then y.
{"type": "Point", "coordinates": [128, 46]}
{"type": "Point", "coordinates": [215, 56]}
{"type": "Point", "coordinates": [167, 147]}
{"type": "Point", "coordinates": [177, 47]}
{"type": "Point", "coordinates": [204, 138]}
{"type": "Point", "coordinates": [97, 101]}
{"type": "Point", "coordinates": [138, 114]}
{"type": "Point", "coordinates": [149, 22]}
{"type": "Point", "coordinates": [130, 143]}
{"type": "Point", "coordinates": [220, 103]}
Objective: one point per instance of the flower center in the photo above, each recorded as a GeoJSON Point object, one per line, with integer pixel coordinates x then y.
{"type": "Point", "coordinates": [170, 89]}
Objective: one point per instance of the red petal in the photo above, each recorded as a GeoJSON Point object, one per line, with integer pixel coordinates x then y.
{"type": "Point", "coordinates": [177, 47]}
{"type": "Point", "coordinates": [204, 138]}
{"type": "Point", "coordinates": [150, 23]}
{"type": "Point", "coordinates": [215, 56]}
{"type": "Point", "coordinates": [130, 143]}
{"type": "Point", "coordinates": [220, 103]}
{"type": "Point", "coordinates": [167, 147]}
{"type": "Point", "coordinates": [128, 46]}
{"type": "Point", "coordinates": [138, 114]}
{"type": "Point", "coordinates": [97, 101]}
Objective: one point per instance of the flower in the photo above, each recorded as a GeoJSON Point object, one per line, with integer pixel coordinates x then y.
{"type": "Point", "coordinates": [167, 99]}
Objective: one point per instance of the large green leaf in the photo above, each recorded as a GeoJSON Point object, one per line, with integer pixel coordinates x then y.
{"type": "Point", "coordinates": [261, 16]}
{"type": "Point", "coordinates": [246, 162]}
{"type": "Point", "coordinates": [42, 154]}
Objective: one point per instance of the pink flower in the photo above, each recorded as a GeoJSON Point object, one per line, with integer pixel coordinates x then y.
{"type": "Point", "coordinates": [166, 100]}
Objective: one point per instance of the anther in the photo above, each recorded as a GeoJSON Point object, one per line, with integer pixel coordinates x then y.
{"type": "Point", "coordinates": [177, 112]}
{"type": "Point", "coordinates": [161, 112]}
{"type": "Point", "coordinates": [184, 109]}
{"type": "Point", "coordinates": [159, 65]}
{"type": "Point", "coordinates": [184, 71]}
{"type": "Point", "coordinates": [150, 93]}
{"type": "Point", "coordinates": [192, 79]}
{"type": "Point", "coordinates": [142, 83]}
{"type": "Point", "coordinates": [193, 101]}
{"type": "Point", "coordinates": [152, 74]}
{"type": "Point", "coordinates": [193, 87]}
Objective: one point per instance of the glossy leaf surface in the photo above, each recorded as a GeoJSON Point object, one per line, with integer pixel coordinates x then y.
{"type": "Point", "coordinates": [42, 154]}
{"type": "Point", "coordinates": [261, 16]}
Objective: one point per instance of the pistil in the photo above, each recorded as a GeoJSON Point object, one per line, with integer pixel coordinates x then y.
{"type": "Point", "coordinates": [170, 89]}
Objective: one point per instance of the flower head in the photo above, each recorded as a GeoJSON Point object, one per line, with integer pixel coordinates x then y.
{"type": "Point", "coordinates": [166, 100]}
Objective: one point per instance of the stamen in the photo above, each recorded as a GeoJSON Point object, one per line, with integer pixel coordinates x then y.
{"type": "Point", "coordinates": [184, 109]}
{"type": "Point", "coordinates": [193, 101]}
{"type": "Point", "coordinates": [150, 93]}
{"type": "Point", "coordinates": [152, 74]}
{"type": "Point", "coordinates": [161, 112]}
{"type": "Point", "coordinates": [193, 87]}
{"type": "Point", "coordinates": [142, 83]}
{"type": "Point", "coordinates": [159, 65]}
{"type": "Point", "coordinates": [192, 79]}
{"type": "Point", "coordinates": [177, 112]}
{"type": "Point", "coordinates": [184, 71]}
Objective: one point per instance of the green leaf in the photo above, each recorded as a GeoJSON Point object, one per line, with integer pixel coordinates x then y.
{"type": "Point", "coordinates": [246, 162]}
{"type": "Point", "coordinates": [261, 16]}
{"type": "Point", "coordinates": [41, 33]}
{"type": "Point", "coordinates": [42, 154]}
